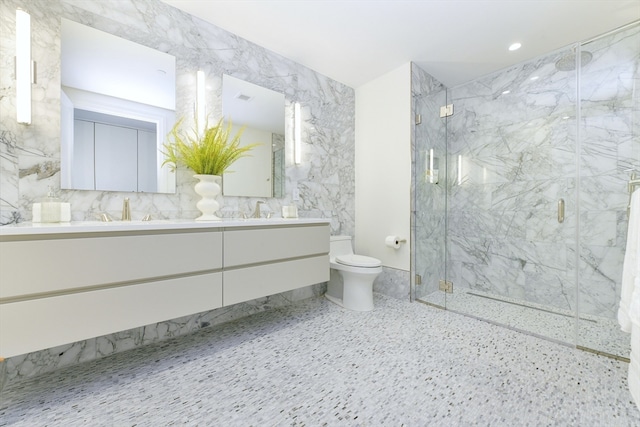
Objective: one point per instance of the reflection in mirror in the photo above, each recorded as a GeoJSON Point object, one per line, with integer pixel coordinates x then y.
{"type": "Point", "coordinates": [261, 112]}
{"type": "Point", "coordinates": [117, 105]}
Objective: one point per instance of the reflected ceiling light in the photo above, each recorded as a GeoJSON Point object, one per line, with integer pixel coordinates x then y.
{"type": "Point", "coordinates": [506, 92]}
{"type": "Point", "coordinates": [25, 72]}
{"type": "Point", "coordinates": [201, 104]}
{"type": "Point", "coordinates": [242, 97]}
{"type": "Point", "coordinates": [534, 78]}
{"type": "Point", "coordinates": [297, 134]}
{"type": "Point", "coordinates": [515, 46]}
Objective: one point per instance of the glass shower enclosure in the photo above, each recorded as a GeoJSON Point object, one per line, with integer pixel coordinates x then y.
{"type": "Point", "coordinates": [520, 191]}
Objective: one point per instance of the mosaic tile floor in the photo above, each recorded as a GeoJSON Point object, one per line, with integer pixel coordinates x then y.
{"type": "Point", "coordinates": [315, 364]}
{"type": "Point", "coordinates": [594, 332]}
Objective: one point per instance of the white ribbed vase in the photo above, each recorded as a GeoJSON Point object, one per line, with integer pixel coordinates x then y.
{"type": "Point", "coordinates": [208, 188]}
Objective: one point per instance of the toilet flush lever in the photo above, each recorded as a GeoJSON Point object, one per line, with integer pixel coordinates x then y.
{"type": "Point", "coordinates": [561, 210]}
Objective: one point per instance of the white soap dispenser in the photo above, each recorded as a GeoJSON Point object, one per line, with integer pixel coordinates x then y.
{"type": "Point", "coordinates": [50, 208]}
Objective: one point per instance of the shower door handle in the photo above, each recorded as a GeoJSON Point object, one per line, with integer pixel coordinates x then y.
{"type": "Point", "coordinates": [561, 210]}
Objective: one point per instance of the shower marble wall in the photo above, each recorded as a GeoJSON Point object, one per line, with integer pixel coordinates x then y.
{"type": "Point", "coordinates": [516, 134]}
{"type": "Point", "coordinates": [30, 155]}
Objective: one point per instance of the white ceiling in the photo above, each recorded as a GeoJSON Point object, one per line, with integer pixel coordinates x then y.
{"type": "Point", "coordinates": [355, 41]}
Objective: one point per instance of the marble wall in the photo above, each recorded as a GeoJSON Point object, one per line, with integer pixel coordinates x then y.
{"type": "Point", "coordinates": [525, 140]}
{"type": "Point", "coordinates": [30, 155]}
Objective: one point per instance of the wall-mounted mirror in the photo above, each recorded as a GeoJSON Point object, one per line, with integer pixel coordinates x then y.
{"type": "Point", "coordinates": [118, 103]}
{"type": "Point", "coordinates": [261, 112]}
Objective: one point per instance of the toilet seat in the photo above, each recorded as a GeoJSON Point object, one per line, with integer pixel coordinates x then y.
{"type": "Point", "coordinates": [358, 261]}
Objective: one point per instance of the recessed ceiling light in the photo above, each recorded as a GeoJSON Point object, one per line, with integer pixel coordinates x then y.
{"type": "Point", "coordinates": [515, 46]}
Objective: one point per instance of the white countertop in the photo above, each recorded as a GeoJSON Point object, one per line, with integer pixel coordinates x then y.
{"type": "Point", "coordinates": [28, 228]}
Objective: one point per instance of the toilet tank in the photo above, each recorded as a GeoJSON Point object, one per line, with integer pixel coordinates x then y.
{"type": "Point", "coordinates": [340, 245]}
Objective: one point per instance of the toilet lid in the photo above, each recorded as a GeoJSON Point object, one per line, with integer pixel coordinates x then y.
{"type": "Point", "coordinates": [358, 260]}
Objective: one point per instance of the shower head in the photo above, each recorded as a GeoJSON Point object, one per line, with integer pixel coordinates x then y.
{"type": "Point", "coordinates": [568, 61]}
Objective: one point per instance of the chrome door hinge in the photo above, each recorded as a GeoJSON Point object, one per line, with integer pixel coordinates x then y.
{"type": "Point", "coordinates": [446, 286]}
{"type": "Point", "coordinates": [418, 119]}
{"type": "Point", "coordinates": [446, 110]}
{"type": "Point", "coordinates": [418, 279]}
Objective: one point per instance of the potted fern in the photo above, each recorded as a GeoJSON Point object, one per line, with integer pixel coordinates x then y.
{"type": "Point", "coordinates": [209, 155]}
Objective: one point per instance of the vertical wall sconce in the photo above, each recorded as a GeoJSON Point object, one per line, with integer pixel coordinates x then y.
{"type": "Point", "coordinates": [297, 134]}
{"type": "Point", "coordinates": [201, 103]}
{"type": "Point", "coordinates": [459, 169]}
{"type": "Point", "coordinates": [25, 68]}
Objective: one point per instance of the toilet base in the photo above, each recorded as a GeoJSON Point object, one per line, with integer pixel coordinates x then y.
{"type": "Point", "coordinates": [353, 291]}
{"type": "Point", "coordinates": [334, 300]}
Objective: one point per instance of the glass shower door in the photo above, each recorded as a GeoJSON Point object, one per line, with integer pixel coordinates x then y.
{"type": "Point", "coordinates": [526, 215]}
{"type": "Point", "coordinates": [609, 154]}
{"type": "Point", "coordinates": [512, 198]}
{"type": "Point", "coordinates": [429, 188]}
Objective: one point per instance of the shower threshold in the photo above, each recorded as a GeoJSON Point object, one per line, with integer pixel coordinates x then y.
{"type": "Point", "coordinates": [531, 306]}
{"type": "Point", "coordinates": [595, 333]}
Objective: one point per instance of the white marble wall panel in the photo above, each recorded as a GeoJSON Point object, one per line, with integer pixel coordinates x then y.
{"type": "Point", "coordinates": [30, 155]}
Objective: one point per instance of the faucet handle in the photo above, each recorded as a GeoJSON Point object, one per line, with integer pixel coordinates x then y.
{"type": "Point", "coordinates": [105, 217]}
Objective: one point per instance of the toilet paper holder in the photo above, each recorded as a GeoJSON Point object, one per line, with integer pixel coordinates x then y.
{"type": "Point", "coordinates": [394, 241]}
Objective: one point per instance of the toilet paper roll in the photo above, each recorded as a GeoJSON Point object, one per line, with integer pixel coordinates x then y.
{"type": "Point", "coordinates": [392, 242]}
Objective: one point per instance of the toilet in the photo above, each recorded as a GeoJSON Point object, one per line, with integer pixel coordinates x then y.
{"type": "Point", "coordinates": [351, 282]}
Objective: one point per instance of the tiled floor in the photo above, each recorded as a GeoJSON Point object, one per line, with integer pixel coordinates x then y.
{"type": "Point", "coordinates": [314, 364]}
{"type": "Point", "coordinates": [594, 332]}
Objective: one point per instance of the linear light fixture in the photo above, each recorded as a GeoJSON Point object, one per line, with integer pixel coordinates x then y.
{"type": "Point", "coordinates": [201, 104]}
{"type": "Point", "coordinates": [24, 70]}
{"type": "Point", "coordinates": [430, 171]}
{"type": "Point", "coordinates": [297, 135]}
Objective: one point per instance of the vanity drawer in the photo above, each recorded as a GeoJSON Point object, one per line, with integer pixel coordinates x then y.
{"type": "Point", "coordinates": [251, 246]}
{"type": "Point", "coordinates": [39, 267]}
{"type": "Point", "coordinates": [249, 283]}
{"type": "Point", "coordinates": [31, 325]}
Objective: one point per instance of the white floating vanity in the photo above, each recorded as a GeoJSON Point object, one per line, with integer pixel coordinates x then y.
{"type": "Point", "coordinates": [61, 283]}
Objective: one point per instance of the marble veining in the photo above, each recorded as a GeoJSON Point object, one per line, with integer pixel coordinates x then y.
{"type": "Point", "coordinates": [401, 364]}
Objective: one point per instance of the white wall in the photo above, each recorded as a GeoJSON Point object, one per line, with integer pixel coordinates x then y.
{"type": "Point", "coordinates": [383, 166]}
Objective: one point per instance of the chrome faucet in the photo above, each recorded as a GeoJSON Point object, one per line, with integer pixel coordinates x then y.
{"type": "Point", "coordinates": [256, 212]}
{"type": "Point", "coordinates": [126, 210]}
